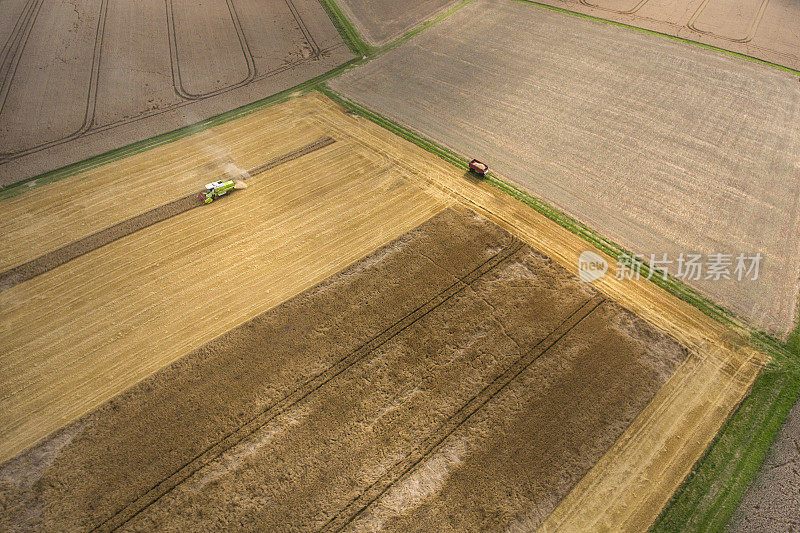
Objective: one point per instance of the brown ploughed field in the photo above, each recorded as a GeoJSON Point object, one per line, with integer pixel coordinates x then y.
{"type": "Point", "coordinates": [664, 147]}
{"type": "Point", "coordinates": [765, 29]}
{"type": "Point", "coordinates": [380, 21]}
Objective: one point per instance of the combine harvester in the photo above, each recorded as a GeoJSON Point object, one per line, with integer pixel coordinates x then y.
{"type": "Point", "coordinates": [215, 189]}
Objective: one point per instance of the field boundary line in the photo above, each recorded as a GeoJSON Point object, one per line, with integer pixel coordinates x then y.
{"type": "Point", "coordinates": [667, 35]}
{"type": "Point", "coordinates": [144, 145]}
{"type": "Point", "coordinates": [459, 418]}
{"type": "Point", "coordinates": [350, 34]}
{"type": "Point", "coordinates": [351, 39]}
{"type": "Point", "coordinates": [185, 99]}
{"type": "Point", "coordinates": [738, 450]}
{"type": "Point", "coordinates": [592, 482]}
{"type": "Point", "coordinates": [358, 45]}
{"type": "Point", "coordinates": [735, 390]}
{"type": "Point", "coordinates": [166, 485]}
{"type": "Point", "coordinates": [761, 340]}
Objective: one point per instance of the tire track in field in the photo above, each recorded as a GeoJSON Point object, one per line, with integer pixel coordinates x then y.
{"type": "Point", "coordinates": [134, 508]}
{"type": "Point", "coordinates": [435, 440]}
{"type": "Point", "coordinates": [73, 250]}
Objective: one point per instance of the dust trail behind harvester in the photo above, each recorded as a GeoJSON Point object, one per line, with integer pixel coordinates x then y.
{"type": "Point", "coordinates": [222, 161]}
{"type": "Point", "coordinates": [238, 175]}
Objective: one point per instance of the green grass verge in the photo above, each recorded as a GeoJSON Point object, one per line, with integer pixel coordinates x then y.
{"type": "Point", "coordinates": [422, 27]}
{"type": "Point", "coordinates": [667, 35]}
{"type": "Point", "coordinates": [713, 490]}
{"type": "Point", "coordinates": [351, 36]}
{"type": "Point", "coordinates": [711, 494]}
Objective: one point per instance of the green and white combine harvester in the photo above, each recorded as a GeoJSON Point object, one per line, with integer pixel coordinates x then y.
{"type": "Point", "coordinates": [215, 189]}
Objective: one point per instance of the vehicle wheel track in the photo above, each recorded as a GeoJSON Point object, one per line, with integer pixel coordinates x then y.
{"type": "Point", "coordinates": [435, 440]}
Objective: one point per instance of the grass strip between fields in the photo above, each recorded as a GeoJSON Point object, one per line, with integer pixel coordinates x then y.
{"type": "Point", "coordinates": [712, 492]}
{"type": "Point", "coordinates": [352, 38]}
{"type": "Point", "coordinates": [667, 35]}
{"type": "Point", "coordinates": [674, 286]}
{"type": "Point", "coordinates": [763, 340]}
{"type": "Point", "coordinates": [359, 46]}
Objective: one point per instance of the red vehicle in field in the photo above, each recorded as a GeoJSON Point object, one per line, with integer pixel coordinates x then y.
{"type": "Point", "coordinates": [478, 168]}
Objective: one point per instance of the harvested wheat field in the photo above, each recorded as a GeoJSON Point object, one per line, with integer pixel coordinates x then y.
{"type": "Point", "coordinates": [663, 147]}
{"type": "Point", "coordinates": [87, 329]}
{"type": "Point", "coordinates": [80, 78]}
{"type": "Point", "coordinates": [349, 342]}
{"type": "Point", "coordinates": [764, 29]}
{"type": "Point", "coordinates": [381, 21]}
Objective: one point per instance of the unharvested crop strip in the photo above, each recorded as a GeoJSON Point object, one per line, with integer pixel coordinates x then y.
{"type": "Point", "coordinates": [307, 388]}
{"type": "Point", "coordinates": [435, 440]}
{"type": "Point", "coordinates": [73, 250]}
{"type": "Point", "coordinates": [322, 142]}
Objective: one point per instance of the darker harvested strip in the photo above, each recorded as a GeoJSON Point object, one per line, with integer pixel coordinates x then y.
{"type": "Point", "coordinates": [134, 508]}
{"type": "Point", "coordinates": [435, 440]}
{"type": "Point", "coordinates": [73, 250]}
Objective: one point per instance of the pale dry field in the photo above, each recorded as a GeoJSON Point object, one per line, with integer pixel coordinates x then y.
{"type": "Point", "coordinates": [78, 79]}
{"type": "Point", "coordinates": [765, 29]}
{"type": "Point", "coordinates": [99, 324]}
{"type": "Point", "coordinates": [455, 332]}
{"type": "Point", "coordinates": [381, 21]}
{"type": "Point", "coordinates": [662, 146]}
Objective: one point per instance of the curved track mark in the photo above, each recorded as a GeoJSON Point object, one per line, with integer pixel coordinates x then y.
{"type": "Point", "coordinates": [316, 52]}
{"type": "Point", "coordinates": [750, 33]}
{"type": "Point", "coordinates": [91, 97]}
{"type": "Point", "coordinates": [630, 11]}
{"type": "Point", "coordinates": [94, 128]}
{"type": "Point", "coordinates": [14, 46]}
{"type": "Point", "coordinates": [177, 81]}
